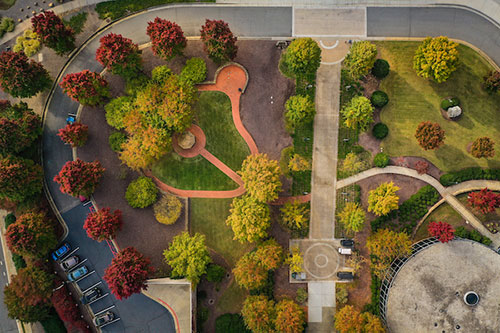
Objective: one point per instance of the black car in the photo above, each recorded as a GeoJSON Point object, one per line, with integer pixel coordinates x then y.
{"type": "Point", "coordinates": [345, 275]}
{"type": "Point", "coordinates": [349, 243]}
{"type": "Point", "coordinates": [91, 295]}
{"type": "Point", "coordinates": [104, 318]}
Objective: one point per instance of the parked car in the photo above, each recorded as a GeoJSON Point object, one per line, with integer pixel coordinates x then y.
{"type": "Point", "coordinates": [104, 318]}
{"type": "Point", "coordinates": [61, 251]}
{"type": "Point", "coordinates": [91, 295]}
{"type": "Point", "coordinates": [69, 263]}
{"type": "Point", "coordinates": [78, 273]}
{"type": "Point", "coordinates": [345, 275]}
{"type": "Point", "coordinates": [347, 243]}
{"type": "Point", "coordinates": [344, 251]}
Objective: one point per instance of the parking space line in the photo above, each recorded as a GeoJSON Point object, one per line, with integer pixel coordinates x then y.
{"type": "Point", "coordinates": [111, 322]}
{"type": "Point", "coordinates": [97, 299]}
{"type": "Point", "coordinates": [66, 256]}
{"type": "Point", "coordinates": [83, 277]}
{"type": "Point", "coordinates": [102, 311]}
{"type": "Point", "coordinates": [95, 285]}
{"type": "Point", "coordinates": [81, 262]}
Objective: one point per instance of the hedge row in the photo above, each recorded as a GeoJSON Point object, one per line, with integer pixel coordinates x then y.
{"type": "Point", "coordinates": [473, 235]}
{"type": "Point", "coordinates": [474, 173]}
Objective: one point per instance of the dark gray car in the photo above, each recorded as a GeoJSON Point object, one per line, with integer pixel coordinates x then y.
{"type": "Point", "coordinates": [69, 263]}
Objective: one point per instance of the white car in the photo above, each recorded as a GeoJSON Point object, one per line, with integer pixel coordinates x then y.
{"type": "Point", "coordinates": [345, 251]}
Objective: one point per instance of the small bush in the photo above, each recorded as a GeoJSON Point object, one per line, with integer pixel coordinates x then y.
{"type": "Point", "coordinates": [76, 22]}
{"type": "Point", "coordinates": [380, 68]}
{"type": "Point", "coordinates": [136, 83]}
{"type": "Point", "coordinates": [230, 323]}
{"type": "Point", "coordinates": [472, 235]}
{"type": "Point", "coordinates": [215, 273]}
{"type": "Point", "coordinates": [160, 74]}
{"type": "Point", "coordinates": [117, 109]}
{"type": "Point", "coordinates": [19, 261]}
{"type": "Point", "coordinates": [286, 155]}
{"type": "Point", "coordinates": [448, 103]}
{"type": "Point", "coordinates": [381, 160]}
{"type": "Point", "coordinates": [53, 324]}
{"type": "Point", "coordinates": [492, 82]}
{"type": "Point", "coordinates": [194, 71]}
{"type": "Point", "coordinates": [474, 173]}
{"type": "Point", "coordinates": [380, 130]}
{"type": "Point", "coordinates": [9, 219]}
{"type": "Point", "coordinates": [341, 295]}
{"type": "Point", "coordinates": [168, 209]}
{"type": "Point", "coordinates": [379, 99]}
{"type": "Point", "coordinates": [116, 141]}
{"type": "Point", "coordinates": [283, 67]}
{"type": "Point", "coordinates": [301, 295]}
{"type": "Point", "coordinates": [6, 25]}
{"type": "Point", "coordinates": [141, 193]}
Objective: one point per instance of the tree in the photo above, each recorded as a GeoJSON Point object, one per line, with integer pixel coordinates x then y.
{"type": "Point", "coordinates": [441, 230]}
{"type": "Point", "coordinates": [20, 179]}
{"type": "Point", "coordinates": [269, 254]}
{"type": "Point", "coordinates": [28, 295]}
{"type": "Point", "coordinates": [141, 192]}
{"type": "Point", "coordinates": [28, 42]}
{"type": "Point", "coordinates": [167, 38]}
{"type": "Point", "coordinates": [303, 56]}
{"type": "Point", "coordinates": [358, 113]}
{"type": "Point", "coordinates": [261, 177]}
{"type": "Point", "coordinates": [102, 224]}
{"type": "Point", "coordinates": [53, 32]}
{"type": "Point", "coordinates": [249, 219]}
{"type": "Point", "coordinates": [295, 260]}
{"type": "Point", "coordinates": [492, 82]}
{"type": "Point", "coordinates": [20, 127]}
{"type": "Point", "coordinates": [352, 164]}
{"type": "Point", "coordinates": [372, 323]}
{"type": "Point", "coordinates": [360, 59]}
{"type": "Point", "coordinates": [74, 134]}
{"type": "Point", "coordinates": [386, 245]}
{"type": "Point", "coordinates": [484, 201]}
{"type": "Point", "coordinates": [248, 272]}
{"type": "Point", "coordinates": [86, 87]}
{"type": "Point", "coordinates": [295, 215]}
{"type": "Point", "coordinates": [290, 317]}
{"type": "Point", "coordinates": [188, 256]}
{"type": "Point", "coordinates": [66, 308]}
{"type": "Point", "coordinates": [436, 58]}
{"type": "Point", "coordinates": [195, 71]}
{"type": "Point", "coordinates": [483, 147]}
{"type": "Point", "coordinates": [145, 146]}
{"type": "Point", "coordinates": [298, 163]}
{"type": "Point", "coordinates": [22, 77]}
{"type": "Point", "coordinates": [300, 110]}
{"type": "Point", "coordinates": [383, 199]}
{"type": "Point", "coordinates": [168, 209]}
{"type": "Point", "coordinates": [259, 314]}
{"type": "Point", "coordinates": [79, 178]}
{"type": "Point", "coordinates": [355, 261]}
{"type": "Point", "coordinates": [119, 55]}
{"type": "Point", "coordinates": [32, 235]}
{"type": "Point", "coordinates": [429, 135]}
{"type": "Point", "coordinates": [352, 217]}
{"type": "Point", "coordinates": [348, 320]}
{"type": "Point", "coordinates": [218, 41]}
{"type": "Point", "coordinates": [422, 167]}
{"type": "Point", "coordinates": [128, 273]}
{"type": "Point", "coordinates": [117, 109]}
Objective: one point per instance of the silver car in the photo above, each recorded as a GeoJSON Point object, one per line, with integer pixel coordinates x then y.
{"type": "Point", "coordinates": [69, 263]}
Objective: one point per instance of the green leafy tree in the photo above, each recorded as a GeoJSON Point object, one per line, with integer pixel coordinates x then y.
{"type": "Point", "coordinates": [290, 317]}
{"type": "Point", "coordinates": [360, 59]}
{"type": "Point", "coordinates": [195, 70]}
{"type": "Point", "coordinates": [295, 215]}
{"type": "Point", "coordinates": [483, 147]}
{"type": "Point", "coordinates": [20, 179]}
{"type": "Point", "coordinates": [249, 219]}
{"type": "Point", "coordinates": [117, 109]}
{"type": "Point", "coordinates": [303, 56]}
{"type": "Point", "coordinates": [261, 177]}
{"type": "Point", "coordinates": [141, 192]}
{"type": "Point", "coordinates": [352, 217]}
{"type": "Point", "coordinates": [188, 256]}
{"type": "Point", "coordinates": [259, 314]}
{"type": "Point", "coordinates": [383, 199]}
{"type": "Point", "coordinates": [436, 58]}
{"type": "Point", "coordinates": [385, 246]}
{"type": "Point", "coordinates": [429, 135]}
{"type": "Point", "coordinates": [248, 272]}
{"type": "Point", "coordinates": [358, 113]}
{"type": "Point", "coordinates": [300, 110]}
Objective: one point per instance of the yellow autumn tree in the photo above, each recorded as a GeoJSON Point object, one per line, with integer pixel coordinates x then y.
{"type": "Point", "coordinates": [248, 272]}
{"type": "Point", "coordinates": [352, 217]}
{"type": "Point", "coordinates": [290, 317]}
{"type": "Point", "coordinates": [436, 58]}
{"type": "Point", "coordinates": [383, 199]}
{"type": "Point", "coordinates": [360, 58]}
{"type": "Point", "coordinates": [295, 260]}
{"type": "Point", "coordinates": [259, 314]}
{"type": "Point", "coordinates": [295, 216]}
{"type": "Point", "coordinates": [249, 219]}
{"type": "Point", "coordinates": [350, 320]}
{"type": "Point", "coordinates": [352, 164]}
{"type": "Point", "coordinates": [358, 113]}
{"type": "Point", "coordinates": [261, 177]}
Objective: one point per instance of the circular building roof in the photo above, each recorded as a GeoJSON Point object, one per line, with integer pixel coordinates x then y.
{"type": "Point", "coordinates": [427, 295]}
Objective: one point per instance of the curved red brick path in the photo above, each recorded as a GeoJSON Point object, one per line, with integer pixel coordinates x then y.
{"type": "Point", "coordinates": [199, 145]}
{"type": "Point", "coordinates": [228, 79]}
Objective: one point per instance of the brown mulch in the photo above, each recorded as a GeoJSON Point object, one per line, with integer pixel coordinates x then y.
{"type": "Point", "coordinates": [370, 84]}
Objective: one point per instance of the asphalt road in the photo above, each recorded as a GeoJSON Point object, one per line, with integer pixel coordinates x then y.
{"type": "Point", "coordinates": [7, 325]}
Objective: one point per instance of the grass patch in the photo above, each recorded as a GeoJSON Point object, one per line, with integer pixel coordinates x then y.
{"type": "Point", "coordinates": [444, 213]}
{"type": "Point", "coordinates": [350, 193]}
{"type": "Point", "coordinates": [6, 4]}
{"type": "Point", "coordinates": [414, 99]}
{"type": "Point", "coordinates": [303, 145]}
{"type": "Point", "coordinates": [232, 299]}
{"type": "Point", "coordinates": [76, 22]}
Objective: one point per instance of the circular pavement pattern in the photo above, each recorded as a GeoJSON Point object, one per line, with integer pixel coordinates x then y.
{"type": "Point", "coordinates": [427, 294]}
{"type": "Point", "coordinates": [321, 260]}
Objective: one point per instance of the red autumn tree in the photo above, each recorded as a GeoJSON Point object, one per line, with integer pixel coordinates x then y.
{"type": "Point", "coordinates": [218, 41]}
{"type": "Point", "coordinates": [421, 167]}
{"type": "Point", "coordinates": [167, 38]}
{"type": "Point", "coordinates": [74, 134]}
{"type": "Point", "coordinates": [86, 87]}
{"type": "Point", "coordinates": [128, 273]}
{"type": "Point", "coordinates": [65, 306]}
{"type": "Point", "coordinates": [429, 135]}
{"type": "Point", "coordinates": [119, 55]}
{"type": "Point", "coordinates": [53, 32]}
{"type": "Point", "coordinates": [22, 77]}
{"type": "Point", "coordinates": [20, 179]}
{"type": "Point", "coordinates": [483, 147]}
{"type": "Point", "coordinates": [79, 178]}
{"type": "Point", "coordinates": [19, 127]}
{"type": "Point", "coordinates": [441, 230]}
{"type": "Point", "coordinates": [484, 201]}
{"type": "Point", "coordinates": [103, 224]}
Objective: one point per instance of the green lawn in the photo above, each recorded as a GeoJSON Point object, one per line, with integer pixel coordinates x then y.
{"type": "Point", "coordinates": [444, 213]}
{"type": "Point", "coordinates": [232, 299]}
{"type": "Point", "coordinates": [6, 4]}
{"type": "Point", "coordinates": [223, 141]}
{"type": "Point", "coordinates": [414, 99]}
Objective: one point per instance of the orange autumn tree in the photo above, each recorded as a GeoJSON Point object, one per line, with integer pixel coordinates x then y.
{"type": "Point", "coordinates": [248, 273]}
{"type": "Point", "coordinates": [349, 320]}
{"type": "Point", "coordinates": [385, 246]}
{"type": "Point", "coordinates": [290, 317]}
{"type": "Point", "coordinates": [269, 254]}
{"type": "Point", "coordinates": [258, 313]}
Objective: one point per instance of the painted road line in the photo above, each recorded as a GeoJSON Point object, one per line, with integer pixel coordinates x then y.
{"type": "Point", "coordinates": [95, 285]}
{"type": "Point", "coordinates": [102, 311]}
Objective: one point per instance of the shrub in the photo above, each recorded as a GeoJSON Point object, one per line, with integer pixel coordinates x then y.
{"type": "Point", "coordinates": [141, 193]}
{"type": "Point", "coordinates": [472, 235]}
{"type": "Point", "coordinates": [379, 99]}
{"type": "Point", "coordinates": [53, 33]}
{"type": "Point", "coordinates": [9, 219]}
{"type": "Point", "coordinates": [160, 74]}
{"type": "Point", "coordinates": [303, 56]}
{"type": "Point", "coordinates": [117, 109]}
{"type": "Point", "coordinates": [463, 175]}
{"type": "Point", "coordinates": [53, 324]}
{"type": "Point", "coordinates": [195, 71]}
{"type": "Point", "coordinates": [116, 140]}
{"type": "Point", "coordinates": [429, 135]}
{"type": "Point", "coordinates": [19, 261]}
{"type": "Point", "coordinates": [341, 295]}
{"type": "Point", "coordinates": [77, 22]}
{"type": "Point", "coordinates": [441, 230]}
{"type": "Point", "coordinates": [492, 82]}
{"type": "Point", "coordinates": [286, 155]}
{"type": "Point", "coordinates": [6, 25]}
{"type": "Point", "coordinates": [300, 110]}
{"type": "Point", "coordinates": [168, 209]}
{"type": "Point", "coordinates": [298, 163]}
{"type": "Point", "coordinates": [483, 147]}
{"type": "Point", "coordinates": [28, 42]}
{"type": "Point", "coordinates": [358, 113]}
{"type": "Point", "coordinates": [218, 41]}
{"type": "Point", "coordinates": [230, 323]}
{"type": "Point", "coordinates": [449, 102]}
{"type": "Point", "coordinates": [381, 160]}
{"type": "Point", "coordinates": [215, 273]}
{"type": "Point", "coordinates": [167, 38]}
{"type": "Point", "coordinates": [422, 167]}
{"type": "Point", "coordinates": [79, 178]}
{"type": "Point", "coordinates": [380, 130]}
{"type": "Point", "coordinates": [436, 58]}
{"type": "Point", "coordinates": [380, 68]}
{"type": "Point", "coordinates": [360, 59]}
{"type": "Point", "coordinates": [74, 134]}
{"type": "Point", "coordinates": [301, 295]}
